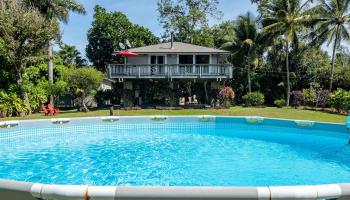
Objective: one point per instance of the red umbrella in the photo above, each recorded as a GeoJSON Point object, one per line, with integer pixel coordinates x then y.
{"type": "Point", "coordinates": [125, 53]}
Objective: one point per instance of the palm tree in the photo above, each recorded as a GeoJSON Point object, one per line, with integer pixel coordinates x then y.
{"type": "Point", "coordinates": [286, 19]}
{"type": "Point", "coordinates": [68, 54]}
{"type": "Point", "coordinates": [330, 27]}
{"type": "Point", "coordinates": [245, 44]}
{"type": "Point", "coordinates": [51, 10]}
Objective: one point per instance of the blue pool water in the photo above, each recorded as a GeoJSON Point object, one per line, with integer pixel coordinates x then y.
{"type": "Point", "coordinates": [175, 154]}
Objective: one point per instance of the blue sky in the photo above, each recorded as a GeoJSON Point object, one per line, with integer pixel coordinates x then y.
{"type": "Point", "coordinates": [142, 12]}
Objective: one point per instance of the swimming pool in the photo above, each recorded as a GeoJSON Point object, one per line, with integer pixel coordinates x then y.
{"type": "Point", "coordinates": [205, 151]}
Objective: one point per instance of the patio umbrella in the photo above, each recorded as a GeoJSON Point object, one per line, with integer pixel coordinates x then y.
{"type": "Point", "coordinates": [125, 54]}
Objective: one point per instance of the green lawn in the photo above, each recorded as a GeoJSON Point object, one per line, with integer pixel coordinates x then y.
{"type": "Point", "coordinates": [272, 112]}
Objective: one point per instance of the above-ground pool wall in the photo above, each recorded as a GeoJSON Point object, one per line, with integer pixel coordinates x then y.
{"type": "Point", "coordinates": [11, 190]}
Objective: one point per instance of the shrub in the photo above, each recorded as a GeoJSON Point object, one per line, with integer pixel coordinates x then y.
{"type": "Point", "coordinates": [296, 98]}
{"type": "Point", "coordinates": [322, 97]}
{"type": "Point", "coordinates": [340, 100]}
{"type": "Point", "coordinates": [280, 103]}
{"type": "Point", "coordinates": [12, 104]}
{"type": "Point", "coordinates": [309, 96]}
{"type": "Point", "coordinates": [226, 96]}
{"type": "Point", "coordinates": [253, 99]}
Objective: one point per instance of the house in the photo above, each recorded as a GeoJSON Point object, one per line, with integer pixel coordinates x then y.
{"type": "Point", "coordinates": [170, 66]}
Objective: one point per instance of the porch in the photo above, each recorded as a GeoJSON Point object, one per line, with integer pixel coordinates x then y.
{"type": "Point", "coordinates": [170, 71]}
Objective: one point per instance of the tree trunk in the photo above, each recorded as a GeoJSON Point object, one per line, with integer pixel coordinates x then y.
{"type": "Point", "coordinates": [333, 60]}
{"type": "Point", "coordinates": [24, 93]}
{"type": "Point", "coordinates": [206, 92]}
{"type": "Point", "coordinates": [288, 78]}
{"type": "Point", "coordinates": [85, 108]}
{"type": "Point", "coordinates": [25, 97]}
{"type": "Point", "coordinates": [50, 68]}
{"type": "Point", "coordinates": [248, 73]}
{"type": "Point", "coordinates": [249, 81]}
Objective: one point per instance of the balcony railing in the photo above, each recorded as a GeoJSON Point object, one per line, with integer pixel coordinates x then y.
{"type": "Point", "coordinates": [130, 71]}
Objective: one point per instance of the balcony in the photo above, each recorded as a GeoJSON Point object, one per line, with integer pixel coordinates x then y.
{"type": "Point", "coordinates": [178, 71]}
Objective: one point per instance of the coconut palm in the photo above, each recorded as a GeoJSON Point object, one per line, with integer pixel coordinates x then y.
{"type": "Point", "coordinates": [244, 46]}
{"type": "Point", "coordinates": [68, 54]}
{"type": "Point", "coordinates": [51, 10]}
{"type": "Point", "coordinates": [286, 19]}
{"type": "Point", "coordinates": [332, 26]}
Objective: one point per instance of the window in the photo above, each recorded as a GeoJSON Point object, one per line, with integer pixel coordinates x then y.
{"type": "Point", "coordinates": [202, 62]}
{"type": "Point", "coordinates": [185, 59]}
{"type": "Point", "coordinates": [160, 60]}
{"type": "Point", "coordinates": [202, 59]}
{"type": "Point", "coordinates": [186, 64]}
{"type": "Point", "coordinates": [157, 63]}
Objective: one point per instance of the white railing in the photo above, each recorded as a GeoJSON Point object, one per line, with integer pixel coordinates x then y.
{"type": "Point", "coordinates": [170, 71]}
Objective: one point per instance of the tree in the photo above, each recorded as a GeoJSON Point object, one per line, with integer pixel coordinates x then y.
{"type": "Point", "coordinates": [333, 17]}
{"type": "Point", "coordinates": [24, 33]}
{"type": "Point", "coordinates": [110, 29]}
{"type": "Point", "coordinates": [69, 54]}
{"type": "Point", "coordinates": [83, 82]}
{"type": "Point", "coordinates": [246, 44]}
{"type": "Point", "coordinates": [222, 33]}
{"type": "Point", "coordinates": [286, 19]}
{"type": "Point", "coordinates": [53, 10]}
{"type": "Point", "coordinates": [188, 19]}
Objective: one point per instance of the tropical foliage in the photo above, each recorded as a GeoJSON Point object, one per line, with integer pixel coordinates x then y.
{"type": "Point", "coordinates": [331, 26]}
{"type": "Point", "coordinates": [54, 10]}
{"type": "Point", "coordinates": [84, 82]}
{"type": "Point", "coordinates": [110, 29]}
{"type": "Point", "coordinates": [188, 20]}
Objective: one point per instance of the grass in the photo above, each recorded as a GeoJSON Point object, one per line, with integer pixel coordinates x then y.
{"type": "Point", "coordinates": [272, 112]}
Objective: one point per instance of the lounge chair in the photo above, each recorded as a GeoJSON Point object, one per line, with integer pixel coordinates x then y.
{"type": "Point", "coordinates": [52, 109]}
{"type": "Point", "coordinates": [182, 101]}
{"type": "Point", "coordinates": [195, 101]}
{"type": "Point", "coordinates": [189, 100]}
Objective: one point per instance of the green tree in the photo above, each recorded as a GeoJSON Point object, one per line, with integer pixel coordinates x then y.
{"type": "Point", "coordinates": [246, 43]}
{"type": "Point", "coordinates": [68, 54]}
{"type": "Point", "coordinates": [286, 19]}
{"type": "Point", "coordinates": [188, 19]}
{"type": "Point", "coordinates": [24, 33]}
{"type": "Point", "coordinates": [331, 26]}
{"type": "Point", "coordinates": [110, 29]}
{"type": "Point", "coordinates": [222, 33]}
{"type": "Point", "coordinates": [83, 82]}
{"type": "Point", "coordinates": [54, 10]}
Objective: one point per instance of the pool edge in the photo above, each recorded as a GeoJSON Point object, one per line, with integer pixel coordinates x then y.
{"type": "Point", "coordinates": [15, 190]}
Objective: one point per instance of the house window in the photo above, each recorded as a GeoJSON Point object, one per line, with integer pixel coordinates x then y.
{"type": "Point", "coordinates": [202, 62]}
{"type": "Point", "coordinates": [157, 63]}
{"type": "Point", "coordinates": [185, 59]}
{"type": "Point", "coordinates": [202, 59]}
{"type": "Point", "coordinates": [186, 64]}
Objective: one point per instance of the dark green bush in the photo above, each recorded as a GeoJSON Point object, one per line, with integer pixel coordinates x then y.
{"type": "Point", "coordinates": [254, 99]}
